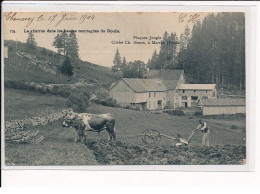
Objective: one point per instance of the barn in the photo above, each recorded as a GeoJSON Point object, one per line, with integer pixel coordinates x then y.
{"type": "Point", "coordinates": [141, 94]}
{"type": "Point", "coordinates": [220, 106]}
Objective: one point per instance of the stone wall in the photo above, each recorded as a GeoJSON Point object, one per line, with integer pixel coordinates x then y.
{"type": "Point", "coordinates": [20, 124]}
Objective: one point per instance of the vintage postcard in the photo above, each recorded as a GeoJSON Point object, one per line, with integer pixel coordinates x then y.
{"type": "Point", "coordinates": [124, 88]}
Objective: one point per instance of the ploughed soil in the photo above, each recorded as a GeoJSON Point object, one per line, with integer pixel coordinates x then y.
{"type": "Point", "coordinates": [227, 140]}
{"type": "Point", "coordinates": [140, 154]}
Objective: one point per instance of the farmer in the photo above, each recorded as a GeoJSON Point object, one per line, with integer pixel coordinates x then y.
{"type": "Point", "coordinates": [204, 129]}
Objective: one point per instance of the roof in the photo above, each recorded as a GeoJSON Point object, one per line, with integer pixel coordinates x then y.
{"type": "Point", "coordinates": [197, 86]}
{"type": "Point", "coordinates": [165, 74]}
{"type": "Point", "coordinates": [143, 85]}
{"type": "Point", "coordinates": [170, 84]}
{"type": "Point", "coordinates": [223, 102]}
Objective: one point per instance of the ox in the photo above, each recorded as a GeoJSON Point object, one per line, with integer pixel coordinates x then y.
{"type": "Point", "coordinates": [84, 122]}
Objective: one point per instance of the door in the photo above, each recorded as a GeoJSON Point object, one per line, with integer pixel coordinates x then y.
{"type": "Point", "coordinates": [144, 106]}
{"type": "Point", "coordinates": [159, 106]}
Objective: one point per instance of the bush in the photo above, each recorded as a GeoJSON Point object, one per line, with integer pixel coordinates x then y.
{"type": "Point", "coordinates": [104, 99]}
{"type": "Point", "coordinates": [198, 113]}
{"type": "Point", "coordinates": [175, 112]}
{"type": "Point", "coordinates": [61, 91]}
{"type": "Point", "coordinates": [78, 102]}
{"type": "Point", "coordinates": [233, 127]}
{"type": "Point", "coordinates": [16, 85]}
{"type": "Point", "coordinates": [67, 68]}
{"type": "Point", "coordinates": [84, 91]}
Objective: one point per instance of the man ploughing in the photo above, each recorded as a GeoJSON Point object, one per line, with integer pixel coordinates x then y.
{"type": "Point", "coordinates": [204, 129]}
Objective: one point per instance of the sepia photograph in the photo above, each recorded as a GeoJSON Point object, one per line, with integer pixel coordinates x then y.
{"type": "Point", "coordinates": [124, 88]}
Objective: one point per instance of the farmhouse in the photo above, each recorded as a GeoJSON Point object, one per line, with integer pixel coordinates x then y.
{"type": "Point", "coordinates": [219, 106]}
{"type": "Point", "coordinates": [5, 52]}
{"type": "Point", "coordinates": [190, 94]}
{"type": "Point", "coordinates": [172, 79]}
{"type": "Point", "coordinates": [141, 94]}
{"type": "Point", "coordinates": [161, 89]}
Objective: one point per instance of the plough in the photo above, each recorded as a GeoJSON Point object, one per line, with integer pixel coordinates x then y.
{"type": "Point", "coordinates": [152, 136]}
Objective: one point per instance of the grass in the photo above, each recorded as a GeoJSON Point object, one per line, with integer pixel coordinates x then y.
{"type": "Point", "coordinates": [22, 70]}
{"type": "Point", "coordinates": [19, 68]}
{"type": "Point", "coordinates": [91, 71]}
{"type": "Point", "coordinates": [21, 104]}
{"type": "Point", "coordinates": [58, 147]}
{"type": "Point", "coordinates": [131, 122]}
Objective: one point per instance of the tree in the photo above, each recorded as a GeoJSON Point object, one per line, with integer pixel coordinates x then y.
{"type": "Point", "coordinates": [184, 38]}
{"type": "Point", "coordinates": [215, 52]}
{"type": "Point", "coordinates": [31, 43]}
{"type": "Point", "coordinates": [135, 69]}
{"type": "Point", "coordinates": [72, 46]}
{"type": "Point", "coordinates": [61, 42]}
{"type": "Point", "coordinates": [44, 51]}
{"type": "Point", "coordinates": [124, 64]}
{"type": "Point", "coordinates": [184, 42]}
{"type": "Point", "coordinates": [166, 59]}
{"type": "Point", "coordinates": [64, 42]}
{"type": "Point", "coordinates": [78, 102]}
{"type": "Point", "coordinates": [153, 62]}
{"type": "Point", "coordinates": [117, 61]}
{"type": "Point", "coordinates": [67, 67]}
{"type": "Point", "coordinates": [171, 60]}
{"type": "Point", "coordinates": [57, 43]}
{"type": "Point", "coordinates": [163, 53]}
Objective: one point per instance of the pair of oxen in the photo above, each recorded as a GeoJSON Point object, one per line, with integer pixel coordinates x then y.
{"type": "Point", "coordinates": [85, 122]}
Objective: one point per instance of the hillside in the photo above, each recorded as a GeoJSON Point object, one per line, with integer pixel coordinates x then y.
{"type": "Point", "coordinates": [42, 65]}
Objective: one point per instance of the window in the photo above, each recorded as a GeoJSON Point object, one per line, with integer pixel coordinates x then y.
{"type": "Point", "coordinates": [183, 91]}
{"type": "Point", "coordinates": [204, 97]}
{"type": "Point", "coordinates": [194, 91]}
{"type": "Point", "coordinates": [184, 97]}
{"type": "Point", "coordinates": [154, 94]}
{"type": "Point", "coordinates": [149, 95]}
{"type": "Point", "coordinates": [206, 91]}
{"type": "Point", "coordinates": [194, 98]}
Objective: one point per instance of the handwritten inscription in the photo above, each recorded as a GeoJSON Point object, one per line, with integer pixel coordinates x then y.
{"type": "Point", "coordinates": [189, 18]}
{"type": "Point", "coordinates": [55, 19]}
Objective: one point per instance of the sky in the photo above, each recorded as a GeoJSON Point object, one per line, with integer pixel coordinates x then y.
{"type": "Point", "coordinates": [97, 47]}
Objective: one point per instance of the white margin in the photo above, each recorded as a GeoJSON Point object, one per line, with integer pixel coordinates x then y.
{"type": "Point", "coordinates": [247, 7]}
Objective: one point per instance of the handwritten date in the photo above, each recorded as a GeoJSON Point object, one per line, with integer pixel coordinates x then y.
{"type": "Point", "coordinates": [189, 18]}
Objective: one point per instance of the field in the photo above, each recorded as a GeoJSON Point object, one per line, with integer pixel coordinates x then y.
{"type": "Point", "coordinates": [227, 137]}
{"type": "Point", "coordinates": [21, 104]}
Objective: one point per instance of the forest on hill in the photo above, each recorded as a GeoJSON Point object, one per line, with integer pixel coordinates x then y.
{"type": "Point", "coordinates": [213, 51]}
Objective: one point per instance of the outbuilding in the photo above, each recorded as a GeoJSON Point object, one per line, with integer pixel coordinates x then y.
{"type": "Point", "coordinates": [220, 106]}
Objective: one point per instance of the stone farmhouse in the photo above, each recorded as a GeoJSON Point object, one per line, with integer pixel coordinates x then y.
{"type": "Point", "coordinates": [190, 94]}
{"type": "Point", "coordinates": [161, 89]}
{"type": "Point", "coordinates": [172, 79]}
